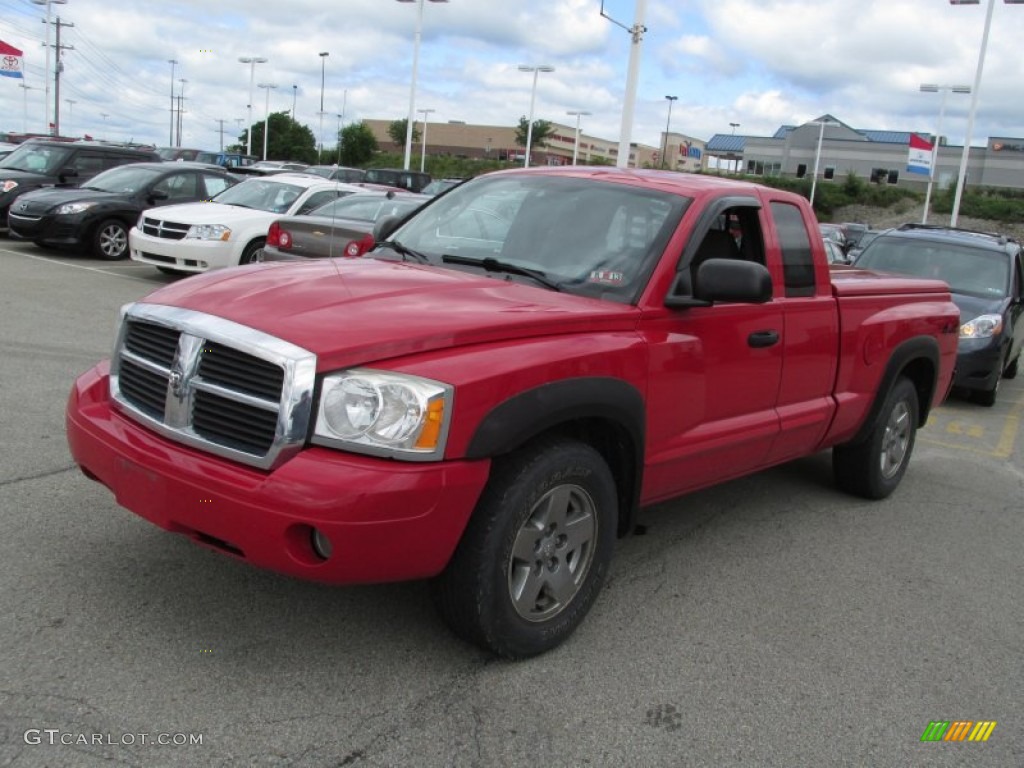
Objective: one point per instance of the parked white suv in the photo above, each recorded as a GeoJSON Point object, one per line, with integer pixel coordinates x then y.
{"type": "Point", "coordinates": [230, 229]}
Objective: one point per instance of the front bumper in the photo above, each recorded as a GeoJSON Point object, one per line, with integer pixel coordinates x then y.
{"type": "Point", "coordinates": [186, 255]}
{"type": "Point", "coordinates": [386, 520]}
{"type": "Point", "coordinates": [979, 364]}
{"type": "Point", "coordinates": [48, 228]}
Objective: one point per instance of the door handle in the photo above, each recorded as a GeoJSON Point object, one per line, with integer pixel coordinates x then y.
{"type": "Point", "coordinates": [763, 339]}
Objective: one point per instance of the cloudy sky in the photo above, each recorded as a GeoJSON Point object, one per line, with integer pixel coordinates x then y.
{"type": "Point", "coordinates": [759, 63]}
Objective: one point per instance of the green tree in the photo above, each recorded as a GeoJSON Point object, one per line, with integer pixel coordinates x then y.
{"type": "Point", "coordinates": [357, 144]}
{"type": "Point", "coordinates": [542, 129]}
{"type": "Point", "coordinates": [287, 139]}
{"type": "Point", "coordinates": [397, 128]}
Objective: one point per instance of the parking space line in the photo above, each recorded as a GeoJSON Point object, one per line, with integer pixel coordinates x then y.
{"type": "Point", "coordinates": [75, 266]}
{"type": "Point", "coordinates": [1004, 446]}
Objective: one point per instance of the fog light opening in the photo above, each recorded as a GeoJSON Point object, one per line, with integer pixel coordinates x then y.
{"type": "Point", "coordinates": [321, 544]}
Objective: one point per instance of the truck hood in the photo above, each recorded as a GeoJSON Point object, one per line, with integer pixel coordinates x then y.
{"type": "Point", "coordinates": [210, 213]}
{"type": "Point", "coordinates": [353, 312]}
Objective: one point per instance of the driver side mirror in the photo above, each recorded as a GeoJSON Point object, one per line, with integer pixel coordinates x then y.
{"type": "Point", "coordinates": [727, 280]}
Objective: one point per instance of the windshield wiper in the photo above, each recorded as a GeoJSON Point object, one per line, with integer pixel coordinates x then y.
{"type": "Point", "coordinates": [405, 251]}
{"type": "Point", "coordinates": [494, 265]}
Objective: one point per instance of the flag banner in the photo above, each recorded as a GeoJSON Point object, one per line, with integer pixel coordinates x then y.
{"type": "Point", "coordinates": [10, 61]}
{"type": "Point", "coordinates": [920, 158]}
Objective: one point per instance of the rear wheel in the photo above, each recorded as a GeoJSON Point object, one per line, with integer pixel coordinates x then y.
{"type": "Point", "coordinates": [110, 240]}
{"type": "Point", "coordinates": [253, 252]}
{"type": "Point", "coordinates": [535, 552]}
{"type": "Point", "coordinates": [873, 467]}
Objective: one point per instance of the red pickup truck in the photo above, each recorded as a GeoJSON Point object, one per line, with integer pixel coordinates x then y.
{"type": "Point", "coordinates": [488, 398]}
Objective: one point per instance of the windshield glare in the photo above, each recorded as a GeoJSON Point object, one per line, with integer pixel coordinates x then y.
{"type": "Point", "coordinates": [970, 271]}
{"type": "Point", "coordinates": [261, 194]}
{"type": "Point", "coordinates": [125, 180]}
{"type": "Point", "coordinates": [36, 159]}
{"type": "Point", "coordinates": [595, 238]}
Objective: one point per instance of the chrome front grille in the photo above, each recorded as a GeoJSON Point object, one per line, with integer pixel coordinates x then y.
{"type": "Point", "coordinates": [213, 384]}
{"type": "Point", "coordinates": [169, 230]}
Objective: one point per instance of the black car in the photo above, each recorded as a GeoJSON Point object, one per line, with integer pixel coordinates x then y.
{"type": "Point", "coordinates": [414, 181]}
{"type": "Point", "coordinates": [985, 273]}
{"type": "Point", "coordinates": [46, 163]}
{"type": "Point", "coordinates": [99, 214]}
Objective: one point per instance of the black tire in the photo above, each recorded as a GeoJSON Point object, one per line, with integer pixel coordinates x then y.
{"type": "Point", "coordinates": [110, 240]}
{"type": "Point", "coordinates": [873, 467]}
{"type": "Point", "coordinates": [986, 397]}
{"type": "Point", "coordinates": [253, 252]}
{"type": "Point", "coordinates": [1010, 372]}
{"type": "Point", "coordinates": [547, 519]}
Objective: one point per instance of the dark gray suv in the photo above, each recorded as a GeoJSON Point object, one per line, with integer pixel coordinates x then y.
{"type": "Point", "coordinates": [46, 163]}
{"type": "Point", "coordinates": [985, 273]}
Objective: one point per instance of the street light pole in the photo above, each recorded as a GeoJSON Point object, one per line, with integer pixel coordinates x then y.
{"type": "Point", "coordinates": [266, 116]}
{"type": "Point", "coordinates": [411, 117]}
{"type": "Point", "coordinates": [734, 126]}
{"type": "Point", "coordinates": [46, 78]}
{"type": "Point", "coordinates": [170, 136]}
{"type": "Point", "coordinates": [320, 150]}
{"type": "Point", "coordinates": [961, 177]}
{"type": "Point", "coordinates": [576, 145]}
{"type": "Point", "coordinates": [668, 124]}
{"type": "Point", "coordinates": [817, 155]}
{"type": "Point", "coordinates": [252, 61]}
{"type": "Point", "coordinates": [945, 89]}
{"type": "Point", "coordinates": [181, 107]}
{"type": "Point", "coordinates": [636, 33]}
{"type": "Point", "coordinates": [533, 99]}
{"type": "Point", "coordinates": [341, 119]}
{"type": "Point", "coordinates": [24, 121]}
{"type": "Point", "coordinates": [423, 151]}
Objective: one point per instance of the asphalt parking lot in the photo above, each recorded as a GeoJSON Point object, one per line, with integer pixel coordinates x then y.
{"type": "Point", "coordinates": [771, 621]}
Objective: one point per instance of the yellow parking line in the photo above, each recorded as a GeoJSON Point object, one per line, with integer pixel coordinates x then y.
{"type": "Point", "coordinates": [1007, 437]}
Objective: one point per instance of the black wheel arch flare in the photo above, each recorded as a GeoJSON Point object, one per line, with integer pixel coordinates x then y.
{"type": "Point", "coordinates": [575, 406]}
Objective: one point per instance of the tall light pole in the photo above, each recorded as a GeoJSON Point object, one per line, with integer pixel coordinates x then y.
{"type": "Point", "coordinates": [71, 103]}
{"type": "Point", "coordinates": [533, 100]}
{"type": "Point", "coordinates": [181, 108]}
{"type": "Point", "coordinates": [734, 126]}
{"type": "Point", "coordinates": [46, 79]}
{"type": "Point", "coordinates": [974, 101]}
{"type": "Point", "coordinates": [636, 33]}
{"type": "Point", "coordinates": [945, 89]}
{"type": "Point", "coordinates": [252, 61]}
{"type": "Point", "coordinates": [423, 149]}
{"type": "Point", "coordinates": [817, 155]}
{"type": "Point", "coordinates": [668, 124]}
{"type": "Point", "coordinates": [295, 92]}
{"type": "Point", "coordinates": [24, 120]}
{"type": "Point", "coordinates": [576, 144]}
{"type": "Point", "coordinates": [323, 60]}
{"type": "Point", "coordinates": [411, 117]}
{"type": "Point", "coordinates": [341, 118]}
{"type": "Point", "coordinates": [266, 116]}
{"type": "Point", "coordinates": [170, 137]}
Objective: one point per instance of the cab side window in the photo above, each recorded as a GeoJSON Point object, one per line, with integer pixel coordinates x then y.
{"type": "Point", "coordinates": [795, 243]}
{"type": "Point", "coordinates": [180, 186]}
{"type": "Point", "coordinates": [734, 234]}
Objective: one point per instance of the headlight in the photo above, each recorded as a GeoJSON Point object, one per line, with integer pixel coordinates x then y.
{"type": "Point", "coordinates": [208, 232]}
{"type": "Point", "coordinates": [982, 327]}
{"type": "Point", "coordinates": [384, 414]}
{"type": "Point", "coordinates": [9, 185]}
{"type": "Point", "coordinates": [69, 208]}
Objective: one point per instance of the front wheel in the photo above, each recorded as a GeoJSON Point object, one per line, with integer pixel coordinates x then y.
{"type": "Point", "coordinates": [873, 467]}
{"type": "Point", "coordinates": [110, 240]}
{"type": "Point", "coordinates": [253, 253]}
{"type": "Point", "coordinates": [535, 553]}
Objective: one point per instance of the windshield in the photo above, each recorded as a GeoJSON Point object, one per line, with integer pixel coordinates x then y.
{"type": "Point", "coordinates": [261, 194]}
{"type": "Point", "coordinates": [970, 271]}
{"type": "Point", "coordinates": [36, 159]}
{"type": "Point", "coordinates": [594, 238]}
{"type": "Point", "coordinates": [125, 180]}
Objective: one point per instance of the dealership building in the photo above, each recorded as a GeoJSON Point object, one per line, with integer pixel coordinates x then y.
{"type": "Point", "coordinates": [878, 156]}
